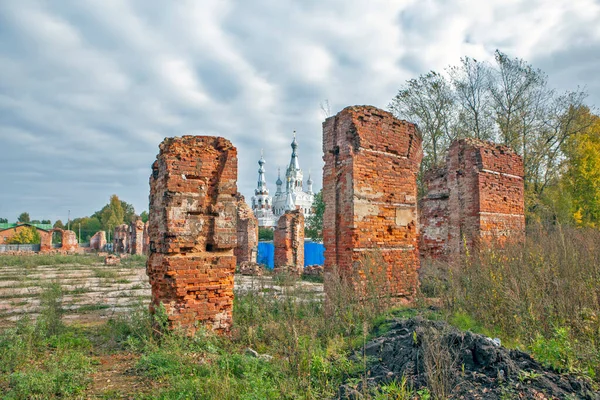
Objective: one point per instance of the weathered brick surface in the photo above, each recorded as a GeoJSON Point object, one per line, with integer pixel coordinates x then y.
{"type": "Point", "coordinates": [69, 241]}
{"type": "Point", "coordinates": [146, 246]}
{"type": "Point", "coordinates": [370, 194]}
{"type": "Point", "coordinates": [247, 233]}
{"type": "Point", "coordinates": [136, 237]}
{"type": "Point", "coordinates": [485, 198]}
{"type": "Point", "coordinates": [288, 240]}
{"type": "Point", "coordinates": [98, 241]}
{"type": "Point", "coordinates": [121, 239]}
{"type": "Point", "coordinates": [193, 231]}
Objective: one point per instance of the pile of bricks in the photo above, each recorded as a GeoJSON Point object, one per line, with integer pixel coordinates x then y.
{"type": "Point", "coordinates": [370, 194]}
{"type": "Point", "coordinates": [193, 231]}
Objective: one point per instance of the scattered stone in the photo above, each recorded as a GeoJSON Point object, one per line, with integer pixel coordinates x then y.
{"type": "Point", "coordinates": [112, 260]}
{"type": "Point", "coordinates": [251, 269]}
{"type": "Point", "coordinates": [313, 270]}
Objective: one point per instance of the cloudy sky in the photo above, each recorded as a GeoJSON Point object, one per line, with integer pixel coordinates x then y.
{"type": "Point", "coordinates": [88, 89]}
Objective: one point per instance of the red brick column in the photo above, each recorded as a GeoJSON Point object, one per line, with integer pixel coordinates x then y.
{"type": "Point", "coordinates": [370, 194]}
{"type": "Point", "coordinates": [98, 241]}
{"type": "Point", "coordinates": [69, 241]}
{"type": "Point", "coordinates": [136, 239]}
{"type": "Point", "coordinates": [145, 247]}
{"type": "Point", "coordinates": [288, 240]}
{"type": "Point", "coordinates": [486, 190]}
{"type": "Point", "coordinates": [247, 233]}
{"type": "Point", "coordinates": [192, 231]}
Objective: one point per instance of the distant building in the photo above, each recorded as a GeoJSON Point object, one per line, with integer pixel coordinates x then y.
{"type": "Point", "coordinates": [268, 210]}
{"type": "Point", "coordinates": [7, 231]}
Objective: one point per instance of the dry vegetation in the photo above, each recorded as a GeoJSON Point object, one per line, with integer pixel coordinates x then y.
{"type": "Point", "coordinates": [542, 296]}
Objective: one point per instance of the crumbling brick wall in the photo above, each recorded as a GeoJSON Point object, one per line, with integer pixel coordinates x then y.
{"type": "Point", "coordinates": [69, 241]}
{"type": "Point", "coordinates": [98, 241]}
{"type": "Point", "coordinates": [136, 237]}
{"type": "Point", "coordinates": [485, 198]}
{"type": "Point", "coordinates": [288, 240]}
{"type": "Point", "coordinates": [193, 231]}
{"type": "Point", "coordinates": [121, 239]}
{"type": "Point", "coordinates": [370, 194]}
{"type": "Point", "coordinates": [247, 233]}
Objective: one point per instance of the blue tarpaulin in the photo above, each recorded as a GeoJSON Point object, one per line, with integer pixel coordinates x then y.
{"type": "Point", "coordinates": [313, 254]}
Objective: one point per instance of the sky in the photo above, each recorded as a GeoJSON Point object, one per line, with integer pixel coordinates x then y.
{"type": "Point", "coordinates": [89, 88]}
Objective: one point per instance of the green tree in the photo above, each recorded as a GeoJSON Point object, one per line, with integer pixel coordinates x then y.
{"type": "Point", "coordinates": [3, 221]}
{"type": "Point", "coordinates": [26, 235]}
{"type": "Point", "coordinates": [144, 216]}
{"type": "Point", "coordinates": [46, 221]}
{"type": "Point", "coordinates": [59, 225]}
{"type": "Point", "coordinates": [24, 217]}
{"type": "Point", "coordinates": [265, 233]}
{"type": "Point", "coordinates": [112, 214]}
{"type": "Point", "coordinates": [35, 221]}
{"type": "Point", "coordinates": [314, 223]}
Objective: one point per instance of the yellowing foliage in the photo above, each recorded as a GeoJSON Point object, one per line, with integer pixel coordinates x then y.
{"type": "Point", "coordinates": [582, 176]}
{"type": "Point", "coordinates": [26, 235]}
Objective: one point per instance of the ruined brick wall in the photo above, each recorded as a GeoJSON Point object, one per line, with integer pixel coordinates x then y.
{"type": "Point", "coordinates": [247, 233]}
{"type": "Point", "coordinates": [193, 231]}
{"type": "Point", "coordinates": [434, 214]}
{"type": "Point", "coordinates": [480, 196]}
{"type": "Point", "coordinates": [121, 239]}
{"type": "Point", "coordinates": [370, 194]}
{"type": "Point", "coordinates": [288, 240]}
{"type": "Point", "coordinates": [69, 241]}
{"type": "Point", "coordinates": [136, 237]}
{"type": "Point", "coordinates": [486, 188]}
{"type": "Point", "coordinates": [98, 241]}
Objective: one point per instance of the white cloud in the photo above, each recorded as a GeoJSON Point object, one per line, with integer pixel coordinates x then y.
{"type": "Point", "coordinates": [89, 89]}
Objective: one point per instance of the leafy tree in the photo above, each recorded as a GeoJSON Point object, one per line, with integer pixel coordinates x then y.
{"type": "Point", "coordinates": [129, 215]}
{"type": "Point", "coordinates": [3, 221]}
{"type": "Point", "coordinates": [58, 224]}
{"type": "Point", "coordinates": [35, 221]}
{"type": "Point", "coordinates": [88, 226]}
{"type": "Point", "coordinates": [314, 223]}
{"type": "Point", "coordinates": [24, 217]}
{"type": "Point", "coordinates": [46, 221]}
{"type": "Point", "coordinates": [112, 214]}
{"type": "Point", "coordinates": [265, 233]}
{"type": "Point", "coordinates": [582, 176]}
{"type": "Point", "coordinates": [25, 235]}
{"type": "Point", "coordinates": [144, 216]}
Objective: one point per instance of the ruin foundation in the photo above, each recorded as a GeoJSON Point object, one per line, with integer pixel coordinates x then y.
{"type": "Point", "coordinates": [478, 196]}
{"type": "Point", "coordinates": [370, 194]}
{"type": "Point", "coordinates": [193, 231]}
{"type": "Point", "coordinates": [288, 240]}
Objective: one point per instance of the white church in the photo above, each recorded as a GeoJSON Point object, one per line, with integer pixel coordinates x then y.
{"type": "Point", "coordinates": [268, 210]}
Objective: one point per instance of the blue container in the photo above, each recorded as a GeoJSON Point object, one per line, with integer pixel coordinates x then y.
{"type": "Point", "coordinates": [314, 254]}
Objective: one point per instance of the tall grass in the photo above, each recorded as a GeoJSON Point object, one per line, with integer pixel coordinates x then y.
{"type": "Point", "coordinates": [543, 294]}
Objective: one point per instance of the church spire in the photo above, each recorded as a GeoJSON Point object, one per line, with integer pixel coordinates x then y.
{"type": "Point", "coordinates": [261, 187]}
{"type": "Point", "coordinates": [294, 173]}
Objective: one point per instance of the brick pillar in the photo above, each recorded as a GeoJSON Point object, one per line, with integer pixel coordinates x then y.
{"type": "Point", "coordinates": [69, 241]}
{"type": "Point", "coordinates": [370, 194]}
{"type": "Point", "coordinates": [145, 247]}
{"type": "Point", "coordinates": [247, 233]}
{"type": "Point", "coordinates": [486, 194]}
{"type": "Point", "coordinates": [98, 241]}
{"type": "Point", "coordinates": [288, 240]}
{"type": "Point", "coordinates": [192, 231]}
{"type": "Point", "coordinates": [46, 241]}
{"type": "Point", "coordinates": [434, 214]}
{"type": "Point", "coordinates": [136, 230]}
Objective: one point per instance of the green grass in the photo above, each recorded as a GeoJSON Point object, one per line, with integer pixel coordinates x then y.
{"type": "Point", "coordinates": [36, 260]}
{"type": "Point", "coordinates": [105, 273]}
